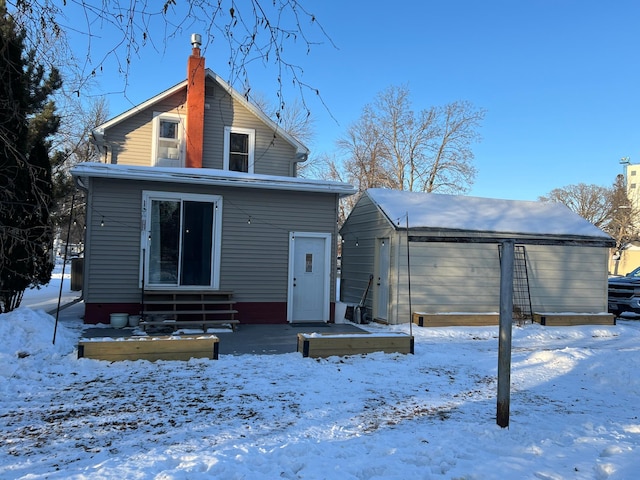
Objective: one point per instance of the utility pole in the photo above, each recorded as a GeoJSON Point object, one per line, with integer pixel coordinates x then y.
{"type": "Point", "coordinates": [506, 325]}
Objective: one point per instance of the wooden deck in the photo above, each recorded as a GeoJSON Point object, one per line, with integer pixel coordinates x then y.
{"type": "Point", "coordinates": [568, 319]}
{"type": "Point", "coordinates": [152, 348]}
{"type": "Point", "coordinates": [327, 345]}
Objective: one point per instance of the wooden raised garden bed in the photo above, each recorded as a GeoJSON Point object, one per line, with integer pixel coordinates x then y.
{"type": "Point", "coordinates": [568, 319]}
{"type": "Point", "coordinates": [327, 345]}
{"type": "Point", "coordinates": [455, 319]}
{"type": "Point", "coordinates": [152, 348]}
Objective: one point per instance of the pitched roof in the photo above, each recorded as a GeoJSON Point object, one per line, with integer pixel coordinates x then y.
{"type": "Point", "coordinates": [464, 213]}
{"type": "Point", "coordinates": [300, 148]}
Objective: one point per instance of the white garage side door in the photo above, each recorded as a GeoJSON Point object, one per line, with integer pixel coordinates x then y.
{"type": "Point", "coordinates": [382, 280]}
{"type": "Point", "coordinates": [309, 274]}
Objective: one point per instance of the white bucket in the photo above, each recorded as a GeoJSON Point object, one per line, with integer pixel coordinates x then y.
{"type": "Point", "coordinates": [134, 320]}
{"type": "Point", "coordinates": [341, 310]}
{"type": "Point", "coordinates": [119, 320]}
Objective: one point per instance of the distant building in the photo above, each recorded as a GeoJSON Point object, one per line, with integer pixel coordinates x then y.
{"type": "Point", "coordinates": [632, 181]}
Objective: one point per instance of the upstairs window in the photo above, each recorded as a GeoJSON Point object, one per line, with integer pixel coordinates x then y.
{"type": "Point", "coordinates": [167, 140]}
{"type": "Point", "coordinates": [239, 146]}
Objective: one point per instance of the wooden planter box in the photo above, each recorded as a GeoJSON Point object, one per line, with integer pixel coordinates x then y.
{"type": "Point", "coordinates": [567, 319]}
{"type": "Point", "coordinates": [183, 347]}
{"type": "Point", "coordinates": [455, 319]}
{"type": "Point", "coordinates": [327, 345]}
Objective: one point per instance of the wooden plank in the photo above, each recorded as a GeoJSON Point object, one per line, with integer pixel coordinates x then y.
{"type": "Point", "coordinates": [190, 312]}
{"type": "Point", "coordinates": [571, 319]}
{"type": "Point", "coordinates": [151, 348]}
{"type": "Point", "coordinates": [455, 319]}
{"type": "Point", "coordinates": [327, 345]}
{"type": "Point", "coordinates": [189, 302]}
{"type": "Point", "coordinates": [188, 292]}
{"type": "Point", "coordinates": [177, 324]}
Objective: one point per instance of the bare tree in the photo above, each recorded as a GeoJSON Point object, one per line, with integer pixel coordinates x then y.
{"type": "Point", "coordinates": [392, 146]}
{"type": "Point", "coordinates": [73, 146]}
{"type": "Point", "coordinates": [28, 120]}
{"type": "Point", "coordinates": [117, 32]}
{"type": "Point", "coordinates": [592, 202]}
{"type": "Point", "coordinates": [296, 120]}
{"type": "Point", "coordinates": [608, 208]}
{"type": "Point", "coordinates": [449, 167]}
{"type": "Point", "coordinates": [622, 222]}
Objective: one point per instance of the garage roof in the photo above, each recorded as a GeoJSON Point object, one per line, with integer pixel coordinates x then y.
{"type": "Point", "coordinates": [428, 211]}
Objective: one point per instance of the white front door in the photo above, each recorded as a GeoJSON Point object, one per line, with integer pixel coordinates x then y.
{"type": "Point", "coordinates": [309, 274]}
{"type": "Point", "coordinates": [382, 280]}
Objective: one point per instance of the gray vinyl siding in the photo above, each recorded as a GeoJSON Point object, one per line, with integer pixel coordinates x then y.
{"type": "Point", "coordinates": [454, 277]}
{"type": "Point", "coordinates": [359, 233]}
{"type": "Point", "coordinates": [448, 277]}
{"type": "Point", "coordinates": [114, 257]}
{"type": "Point", "coordinates": [464, 277]}
{"type": "Point", "coordinates": [254, 256]}
{"type": "Point", "coordinates": [131, 140]}
{"type": "Point", "coordinates": [568, 278]}
{"type": "Point", "coordinates": [273, 155]}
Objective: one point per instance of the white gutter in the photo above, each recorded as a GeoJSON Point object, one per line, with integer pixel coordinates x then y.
{"type": "Point", "coordinates": [207, 176]}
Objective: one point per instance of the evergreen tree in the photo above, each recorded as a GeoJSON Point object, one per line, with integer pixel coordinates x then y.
{"type": "Point", "coordinates": [27, 121]}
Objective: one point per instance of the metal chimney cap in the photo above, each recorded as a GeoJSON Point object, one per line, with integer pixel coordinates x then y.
{"type": "Point", "coordinates": [196, 40]}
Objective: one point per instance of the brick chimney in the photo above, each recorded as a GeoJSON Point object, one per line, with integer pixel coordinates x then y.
{"type": "Point", "coordinates": [195, 105]}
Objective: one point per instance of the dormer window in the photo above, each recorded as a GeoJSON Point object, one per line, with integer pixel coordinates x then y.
{"type": "Point", "coordinates": [167, 140]}
{"type": "Point", "coordinates": [238, 149]}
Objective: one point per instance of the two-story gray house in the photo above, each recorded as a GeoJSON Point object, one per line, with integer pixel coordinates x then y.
{"type": "Point", "coordinates": [197, 194]}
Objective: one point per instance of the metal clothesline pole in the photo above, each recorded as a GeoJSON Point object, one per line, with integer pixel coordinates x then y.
{"type": "Point", "coordinates": [64, 264]}
{"type": "Point", "coordinates": [409, 277]}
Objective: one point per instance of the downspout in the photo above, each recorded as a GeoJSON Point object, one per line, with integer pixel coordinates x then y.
{"type": "Point", "coordinates": [97, 140]}
{"type": "Point", "coordinates": [300, 157]}
{"type": "Point", "coordinates": [80, 184]}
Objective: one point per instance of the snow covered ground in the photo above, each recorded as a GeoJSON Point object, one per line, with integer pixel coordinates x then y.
{"type": "Point", "coordinates": [574, 408]}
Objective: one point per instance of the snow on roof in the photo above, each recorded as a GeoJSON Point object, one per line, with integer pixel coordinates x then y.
{"type": "Point", "coordinates": [458, 212]}
{"type": "Point", "coordinates": [209, 176]}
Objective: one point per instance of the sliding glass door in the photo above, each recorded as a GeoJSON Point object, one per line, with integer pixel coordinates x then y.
{"type": "Point", "coordinates": [181, 239]}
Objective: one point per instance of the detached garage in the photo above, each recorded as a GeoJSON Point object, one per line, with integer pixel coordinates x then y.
{"type": "Point", "coordinates": [440, 254]}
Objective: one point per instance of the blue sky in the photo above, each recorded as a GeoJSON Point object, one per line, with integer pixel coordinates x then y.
{"type": "Point", "coordinates": [557, 78]}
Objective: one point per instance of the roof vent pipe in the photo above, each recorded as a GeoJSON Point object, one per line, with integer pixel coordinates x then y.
{"type": "Point", "coordinates": [196, 40]}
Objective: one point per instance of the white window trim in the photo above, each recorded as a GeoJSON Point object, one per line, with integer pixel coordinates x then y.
{"type": "Point", "coordinates": [157, 116]}
{"type": "Point", "coordinates": [227, 140]}
{"type": "Point", "coordinates": [145, 233]}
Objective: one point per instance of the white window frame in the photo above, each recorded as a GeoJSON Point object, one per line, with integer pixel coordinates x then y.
{"type": "Point", "coordinates": [227, 145]}
{"type": "Point", "coordinates": [216, 237]}
{"type": "Point", "coordinates": [160, 161]}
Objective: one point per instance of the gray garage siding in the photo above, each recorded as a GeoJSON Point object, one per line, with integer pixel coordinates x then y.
{"type": "Point", "coordinates": [449, 277]}
{"type": "Point", "coordinates": [463, 274]}
{"type": "Point", "coordinates": [358, 261]}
